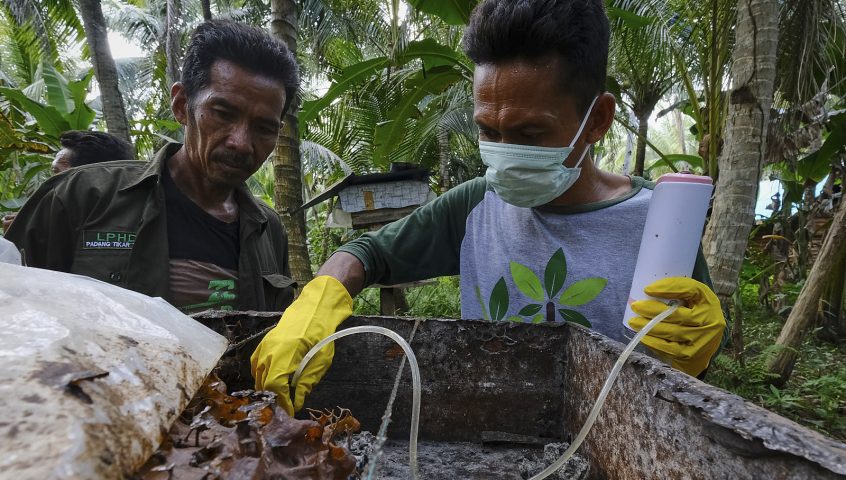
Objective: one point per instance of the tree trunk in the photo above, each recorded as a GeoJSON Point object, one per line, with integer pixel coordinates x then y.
{"type": "Point", "coordinates": [805, 310]}
{"type": "Point", "coordinates": [173, 49]}
{"type": "Point", "coordinates": [753, 74]}
{"type": "Point", "coordinates": [287, 168]}
{"type": "Point", "coordinates": [443, 153]}
{"type": "Point", "coordinates": [833, 327]}
{"type": "Point", "coordinates": [104, 68]}
{"type": "Point", "coordinates": [737, 344]}
{"type": "Point", "coordinates": [207, 15]}
{"type": "Point", "coordinates": [640, 151]}
{"type": "Point", "coordinates": [804, 235]}
{"type": "Point", "coordinates": [678, 119]}
{"type": "Point", "coordinates": [627, 160]}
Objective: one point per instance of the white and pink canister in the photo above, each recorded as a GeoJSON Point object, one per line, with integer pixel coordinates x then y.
{"type": "Point", "coordinates": [672, 233]}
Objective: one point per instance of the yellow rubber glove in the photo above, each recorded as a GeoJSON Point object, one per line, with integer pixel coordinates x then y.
{"type": "Point", "coordinates": [689, 336]}
{"type": "Point", "coordinates": [322, 305]}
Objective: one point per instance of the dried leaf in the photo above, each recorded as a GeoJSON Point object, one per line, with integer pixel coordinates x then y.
{"type": "Point", "coordinates": [247, 435]}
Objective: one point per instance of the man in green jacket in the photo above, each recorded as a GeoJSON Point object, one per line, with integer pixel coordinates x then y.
{"type": "Point", "coordinates": [183, 226]}
{"type": "Point", "coordinates": [544, 236]}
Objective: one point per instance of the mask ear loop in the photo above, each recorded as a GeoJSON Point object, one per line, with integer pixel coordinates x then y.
{"type": "Point", "coordinates": [584, 152]}
{"type": "Point", "coordinates": [582, 127]}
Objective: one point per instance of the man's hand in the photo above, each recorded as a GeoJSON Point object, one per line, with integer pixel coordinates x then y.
{"type": "Point", "coordinates": [323, 304]}
{"type": "Point", "coordinates": [689, 336]}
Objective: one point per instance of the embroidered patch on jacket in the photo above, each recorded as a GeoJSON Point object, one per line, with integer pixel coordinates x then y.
{"type": "Point", "coordinates": [92, 240]}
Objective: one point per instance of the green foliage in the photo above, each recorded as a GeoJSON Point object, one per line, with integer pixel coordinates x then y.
{"type": "Point", "coordinates": [438, 300]}
{"type": "Point", "coordinates": [677, 160]}
{"type": "Point", "coordinates": [817, 165]}
{"type": "Point", "coordinates": [30, 130]}
{"type": "Point", "coordinates": [391, 132]}
{"type": "Point", "coordinates": [815, 394]}
{"type": "Point", "coordinates": [453, 12]}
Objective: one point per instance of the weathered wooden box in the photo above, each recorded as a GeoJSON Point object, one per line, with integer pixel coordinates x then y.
{"type": "Point", "coordinates": [486, 382]}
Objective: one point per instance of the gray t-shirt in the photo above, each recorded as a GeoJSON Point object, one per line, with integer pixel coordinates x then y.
{"type": "Point", "coordinates": [536, 265]}
{"type": "Point", "coordinates": [517, 264]}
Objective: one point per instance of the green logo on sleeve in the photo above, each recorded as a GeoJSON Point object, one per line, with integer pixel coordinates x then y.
{"type": "Point", "coordinates": [94, 240]}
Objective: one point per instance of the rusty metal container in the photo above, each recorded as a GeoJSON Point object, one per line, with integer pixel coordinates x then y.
{"type": "Point", "coordinates": [498, 383]}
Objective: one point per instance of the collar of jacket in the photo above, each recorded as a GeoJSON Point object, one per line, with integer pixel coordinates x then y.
{"type": "Point", "coordinates": [248, 206]}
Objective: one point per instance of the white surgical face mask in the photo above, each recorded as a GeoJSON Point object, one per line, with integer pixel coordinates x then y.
{"type": "Point", "coordinates": [529, 176]}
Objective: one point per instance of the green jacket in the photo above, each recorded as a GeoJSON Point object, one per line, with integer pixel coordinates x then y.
{"type": "Point", "coordinates": [107, 221]}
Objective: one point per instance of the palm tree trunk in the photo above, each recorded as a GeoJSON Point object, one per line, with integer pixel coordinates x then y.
{"type": "Point", "coordinates": [287, 167]}
{"type": "Point", "coordinates": [104, 68]}
{"type": "Point", "coordinates": [833, 325]}
{"type": "Point", "coordinates": [805, 214]}
{"type": "Point", "coordinates": [173, 49]}
{"type": "Point", "coordinates": [678, 120]}
{"type": "Point", "coordinates": [207, 15]}
{"type": "Point", "coordinates": [737, 344]}
{"type": "Point", "coordinates": [443, 154]}
{"type": "Point", "coordinates": [753, 74]}
{"type": "Point", "coordinates": [805, 310]}
{"type": "Point", "coordinates": [640, 151]}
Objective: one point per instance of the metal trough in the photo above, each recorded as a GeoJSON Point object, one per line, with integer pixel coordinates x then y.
{"type": "Point", "coordinates": [506, 385]}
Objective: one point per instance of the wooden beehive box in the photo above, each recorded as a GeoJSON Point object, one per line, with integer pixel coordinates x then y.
{"type": "Point", "coordinates": [375, 199]}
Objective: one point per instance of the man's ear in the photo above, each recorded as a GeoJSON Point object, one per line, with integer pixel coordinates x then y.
{"type": "Point", "coordinates": [601, 118]}
{"type": "Point", "coordinates": [179, 103]}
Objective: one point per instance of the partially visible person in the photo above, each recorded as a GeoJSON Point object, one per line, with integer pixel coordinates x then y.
{"type": "Point", "coordinates": [86, 147]}
{"type": "Point", "coordinates": [183, 226]}
{"type": "Point", "coordinates": [80, 147]}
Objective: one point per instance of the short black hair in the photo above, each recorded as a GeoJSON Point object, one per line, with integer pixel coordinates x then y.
{"type": "Point", "coordinates": [249, 47]}
{"type": "Point", "coordinates": [95, 147]}
{"type": "Point", "coordinates": [577, 31]}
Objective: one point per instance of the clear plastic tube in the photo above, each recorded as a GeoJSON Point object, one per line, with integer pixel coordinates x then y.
{"type": "Point", "coordinates": [382, 436]}
{"type": "Point", "coordinates": [600, 400]}
{"type": "Point", "coordinates": [415, 379]}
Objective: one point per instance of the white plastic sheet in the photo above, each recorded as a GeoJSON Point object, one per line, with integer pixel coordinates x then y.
{"type": "Point", "coordinates": [9, 252]}
{"type": "Point", "coordinates": [91, 375]}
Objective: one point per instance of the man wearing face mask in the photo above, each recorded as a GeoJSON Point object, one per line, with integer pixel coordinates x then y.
{"type": "Point", "coordinates": [544, 236]}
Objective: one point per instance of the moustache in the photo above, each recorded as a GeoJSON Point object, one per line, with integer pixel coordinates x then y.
{"type": "Point", "coordinates": [233, 160]}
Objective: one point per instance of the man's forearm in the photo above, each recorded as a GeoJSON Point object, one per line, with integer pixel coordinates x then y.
{"type": "Point", "coordinates": [347, 269]}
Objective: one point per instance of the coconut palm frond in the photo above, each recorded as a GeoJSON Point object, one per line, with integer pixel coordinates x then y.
{"type": "Point", "coordinates": [812, 49]}
{"type": "Point", "coordinates": [143, 25]}
{"type": "Point", "coordinates": [318, 158]}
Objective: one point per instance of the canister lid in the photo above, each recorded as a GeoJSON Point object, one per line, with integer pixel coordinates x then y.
{"type": "Point", "coordinates": [684, 178]}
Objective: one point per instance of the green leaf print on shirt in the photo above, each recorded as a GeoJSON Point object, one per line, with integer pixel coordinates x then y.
{"type": "Point", "coordinates": [574, 317]}
{"type": "Point", "coordinates": [482, 304]}
{"type": "Point", "coordinates": [555, 273]}
{"type": "Point", "coordinates": [498, 303]}
{"type": "Point", "coordinates": [499, 300]}
{"type": "Point", "coordinates": [554, 277]}
{"type": "Point", "coordinates": [583, 291]}
{"type": "Point", "coordinates": [526, 281]}
{"type": "Point", "coordinates": [529, 310]}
